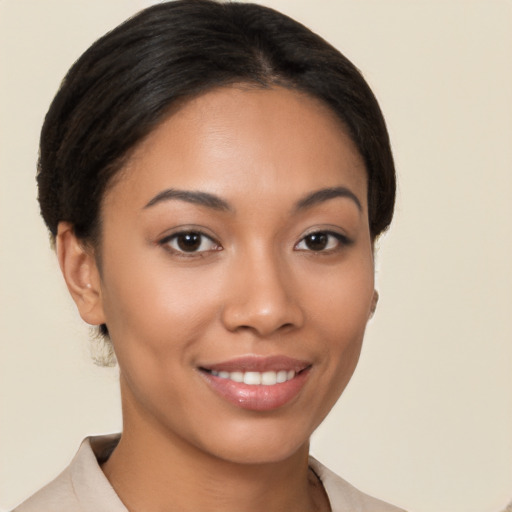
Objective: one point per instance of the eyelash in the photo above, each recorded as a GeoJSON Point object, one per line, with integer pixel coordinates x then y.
{"type": "Point", "coordinates": [168, 240]}
{"type": "Point", "coordinates": [201, 238]}
{"type": "Point", "coordinates": [340, 241]}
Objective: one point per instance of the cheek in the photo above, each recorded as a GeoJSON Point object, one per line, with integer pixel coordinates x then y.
{"type": "Point", "coordinates": [154, 309]}
{"type": "Point", "coordinates": [156, 318]}
{"type": "Point", "coordinates": [341, 298]}
{"type": "Point", "coordinates": [339, 312]}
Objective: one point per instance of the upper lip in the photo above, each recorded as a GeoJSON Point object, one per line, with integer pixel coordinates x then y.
{"type": "Point", "coordinates": [253, 363]}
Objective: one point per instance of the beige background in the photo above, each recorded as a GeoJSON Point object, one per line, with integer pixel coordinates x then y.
{"type": "Point", "coordinates": [427, 421]}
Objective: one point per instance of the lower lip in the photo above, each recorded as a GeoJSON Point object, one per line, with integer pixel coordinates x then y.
{"type": "Point", "coordinates": [257, 397]}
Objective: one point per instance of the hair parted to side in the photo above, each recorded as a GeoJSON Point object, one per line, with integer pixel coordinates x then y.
{"type": "Point", "coordinates": [129, 81]}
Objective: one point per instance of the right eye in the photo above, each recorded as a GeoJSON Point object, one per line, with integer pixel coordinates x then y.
{"type": "Point", "coordinates": [190, 242]}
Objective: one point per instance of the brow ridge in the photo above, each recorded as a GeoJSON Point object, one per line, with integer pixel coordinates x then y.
{"type": "Point", "coordinates": [201, 198]}
{"type": "Point", "coordinates": [214, 202]}
{"type": "Point", "coordinates": [325, 194]}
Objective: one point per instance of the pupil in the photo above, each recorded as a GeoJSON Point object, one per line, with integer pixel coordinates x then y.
{"type": "Point", "coordinates": [189, 242]}
{"type": "Point", "coordinates": [317, 241]}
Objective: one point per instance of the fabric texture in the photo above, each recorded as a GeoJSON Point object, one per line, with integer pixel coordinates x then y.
{"type": "Point", "coordinates": [82, 486]}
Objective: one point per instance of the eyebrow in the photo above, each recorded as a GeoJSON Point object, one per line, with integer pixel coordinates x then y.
{"type": "Point", "coordinates": [216, 203]}
{"type": "Point", "coordinates": [201, 198]}
{"type": "Point", "coordinates": [325, 194]}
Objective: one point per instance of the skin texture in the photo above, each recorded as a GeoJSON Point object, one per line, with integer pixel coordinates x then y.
{"type": "Point", "coordinates": [254, 288]}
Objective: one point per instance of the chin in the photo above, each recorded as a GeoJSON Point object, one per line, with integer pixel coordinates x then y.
{"type": "Point", "coordinates": [266, 442]}
{"type": "Point", "coordinates": [270, 453]}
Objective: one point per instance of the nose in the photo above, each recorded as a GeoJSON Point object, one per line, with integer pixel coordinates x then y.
{"type": "Point", "coordinates": [262, 297]}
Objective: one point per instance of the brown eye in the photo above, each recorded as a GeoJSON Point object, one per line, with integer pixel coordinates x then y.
{"type": "Point", "coordinates": [316, 241]}
{"type": "Point", "coordinates": [190, 242]}
{"type": "Point", "coordinates": [322, 241]}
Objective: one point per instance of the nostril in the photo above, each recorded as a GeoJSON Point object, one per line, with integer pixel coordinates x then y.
{"type": "Point", "coordinates": [266, 329]}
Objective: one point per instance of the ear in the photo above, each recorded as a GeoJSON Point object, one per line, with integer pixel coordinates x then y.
{"type": "Point", "coordinates": [80, 271]}
{"type": "Point", "coordinates": [375, 300]}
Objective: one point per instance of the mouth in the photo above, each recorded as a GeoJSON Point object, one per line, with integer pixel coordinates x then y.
{"type": "Point", "coordinates": [257, 383]}
{"type": "Point", "coordinates": [269, 378]}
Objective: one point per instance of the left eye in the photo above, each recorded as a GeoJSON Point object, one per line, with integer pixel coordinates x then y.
{"type": "Point", "coordinates": [190, 242]}
{"type": "Point", "coordinates": [321, 241]}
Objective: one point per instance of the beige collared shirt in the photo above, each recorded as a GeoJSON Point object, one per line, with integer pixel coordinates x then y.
{"type": "Point", "coordinates": [82, 486]}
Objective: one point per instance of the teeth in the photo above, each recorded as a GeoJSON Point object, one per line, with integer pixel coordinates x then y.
{"type": "Point", "coordinates": [282, 376]}
{"type": "Point", "coordinates": [269, 378]}
{"type": "Point", "coordinates": [236, 376]}
{"type": "Point", "coordinates": [252, 378]}
{"type": "Point", "coordinates": [257, 378]}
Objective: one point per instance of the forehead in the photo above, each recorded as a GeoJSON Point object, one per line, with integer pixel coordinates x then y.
{"type": "Point", "coordinates": [238, 141]}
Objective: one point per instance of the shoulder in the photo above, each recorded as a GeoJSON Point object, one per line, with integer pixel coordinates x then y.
{"type": "Point", "coordinates": [82, 486]}
{"type": "Point", "coordinates": [344, 497]}
{"type": "Point", "coordinates": [57, 496]}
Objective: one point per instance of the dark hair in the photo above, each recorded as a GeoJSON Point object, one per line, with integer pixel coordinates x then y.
{"type": "Point", "coordinates": [125, 84]}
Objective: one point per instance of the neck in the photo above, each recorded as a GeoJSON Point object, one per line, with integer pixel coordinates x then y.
{"type": "Point", "coordinates": [153, 470]}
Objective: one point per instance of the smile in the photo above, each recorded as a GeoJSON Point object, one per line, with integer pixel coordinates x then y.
{"type": "Point", "coordinates": [257, 383]}
{"type": "Point", "coordinates": [270, 378]}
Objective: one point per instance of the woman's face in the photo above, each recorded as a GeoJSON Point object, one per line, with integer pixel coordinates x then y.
{"type": "Point", "coordinates": [237, 272]}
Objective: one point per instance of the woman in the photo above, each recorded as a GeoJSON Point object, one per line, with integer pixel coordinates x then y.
{"type": "Point", "coordinates": [214, 177]}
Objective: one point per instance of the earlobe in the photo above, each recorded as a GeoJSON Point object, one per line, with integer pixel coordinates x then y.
{"type": "Point", "coordinates": [375, 300]}
{"type": "Point", "coordinates": [80, 271]}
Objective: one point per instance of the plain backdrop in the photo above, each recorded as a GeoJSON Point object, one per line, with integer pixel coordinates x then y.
{"type": "Point", "coordinates": [426, 422]}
